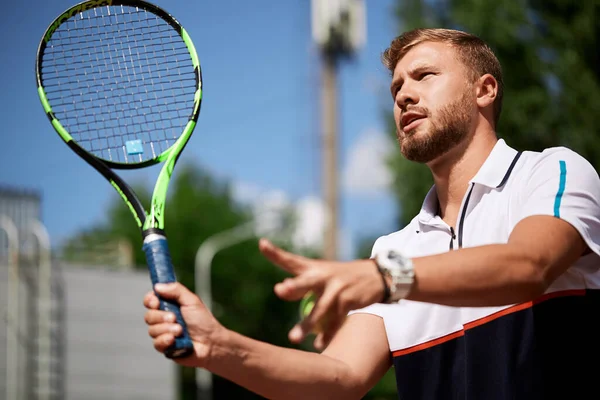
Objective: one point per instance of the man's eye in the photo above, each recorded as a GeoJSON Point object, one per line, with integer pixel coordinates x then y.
{"type": "Point", "coordinates": [424, 75]}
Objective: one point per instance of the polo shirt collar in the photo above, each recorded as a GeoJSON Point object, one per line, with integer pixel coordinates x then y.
{"type": "Point", "coordinates": [429, 209]}
{"type": "Point", "coordinates": [497, 167]}
{"type": "Point", "coordinates": [493, 173]}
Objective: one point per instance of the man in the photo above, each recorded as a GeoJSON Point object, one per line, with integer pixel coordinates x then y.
{"type": "Point", "coordinates": [489, 293]}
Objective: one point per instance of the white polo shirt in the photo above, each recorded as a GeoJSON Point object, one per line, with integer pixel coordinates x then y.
{"type": "Point", "coordinates": [534, 350]}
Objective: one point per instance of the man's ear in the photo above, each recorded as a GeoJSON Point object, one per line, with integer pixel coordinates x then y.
{"type": "Point", "coordinates": [487, 90]}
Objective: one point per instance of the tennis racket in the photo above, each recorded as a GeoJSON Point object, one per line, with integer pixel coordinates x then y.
{"type": "Point", "coordinates": [120, 82]}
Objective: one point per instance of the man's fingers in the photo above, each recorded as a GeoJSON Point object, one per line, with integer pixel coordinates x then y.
{"type": "Point", "coordinates": [151, 301]}
{"type": "Point", "coordinates": [323, 310]}
{"type": "Point", "coordinates": [163, 342]}
{"type": "Point", "coordinates": [297, 333]}
{"type": "Point", "coordinates": [323, 319]}
{"type": "Point", "coordinates": [332, 325]}
{"type": "Point", "coordinates": [293, 289]}
{"type": "Point", "coordinates": [153, 317]}
{"type": "Point", "coordinates": [330, 316]}
{"type": "Point", "coordinates": [289, 262]}
{"type": "Point", "coordinates": [157, 330]}
{"type": "Point", "coordinates": [315, 321]}
{"type": "Point", "coordinates": [176, 291]}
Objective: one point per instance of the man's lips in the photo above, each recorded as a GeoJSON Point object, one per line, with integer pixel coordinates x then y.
{"type": "Point", "coordinates": [410, 120]}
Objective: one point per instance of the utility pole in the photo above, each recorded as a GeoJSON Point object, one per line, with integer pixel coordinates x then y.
{"type": "Point", "coordinates": [330, 159]}
{"type": "Point", "coordinates": [339, 29]}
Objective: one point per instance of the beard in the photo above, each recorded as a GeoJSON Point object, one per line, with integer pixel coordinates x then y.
{"type": "Point", "coordinates": [447, 130]}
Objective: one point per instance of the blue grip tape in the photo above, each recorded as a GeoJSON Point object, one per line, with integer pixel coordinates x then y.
{"type": "Point", "coordinates": [162, 271]}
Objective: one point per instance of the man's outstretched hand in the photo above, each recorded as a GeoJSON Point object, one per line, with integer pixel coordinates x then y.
{"type": "Point", "coordinates": [339, 288]}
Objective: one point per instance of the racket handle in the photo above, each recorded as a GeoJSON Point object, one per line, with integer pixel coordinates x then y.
{"type": "Point", "coordinates": [162, 271]}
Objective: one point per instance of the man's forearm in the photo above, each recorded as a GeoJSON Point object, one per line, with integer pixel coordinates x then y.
{"type": "Point", "coordinates": [488, 275]}
{"type": "Point", "coordinates": [280, 373]}
{"type": "Point", "coordinates": [539, 250]}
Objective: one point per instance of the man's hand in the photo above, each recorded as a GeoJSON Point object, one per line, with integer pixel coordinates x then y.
{"type": "Point", "coordinates": [339, 288]}
{"type": "Point", "coordinates": [162, 328]}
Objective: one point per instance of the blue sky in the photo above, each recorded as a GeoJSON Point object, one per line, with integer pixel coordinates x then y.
{"type": "Point", "coordinates": [259, 124]}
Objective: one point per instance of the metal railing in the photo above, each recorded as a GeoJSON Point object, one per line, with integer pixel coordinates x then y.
{"type": "Point", "coordinates": [32, 311]}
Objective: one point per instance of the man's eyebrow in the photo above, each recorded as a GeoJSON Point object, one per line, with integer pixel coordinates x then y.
{"type": "Point", "coordinates": [420, 68]}
{"type": "Point", "coordinates": [414, 70]}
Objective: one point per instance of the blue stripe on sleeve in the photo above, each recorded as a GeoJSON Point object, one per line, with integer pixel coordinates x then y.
{"type": "Point", "coordinates": [561, 188]}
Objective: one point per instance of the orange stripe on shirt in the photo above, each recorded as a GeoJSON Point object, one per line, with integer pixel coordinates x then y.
{"type": "Point", "coordinates": [428, 344]}
{"type": "Point", "coordinates": [486, 319]}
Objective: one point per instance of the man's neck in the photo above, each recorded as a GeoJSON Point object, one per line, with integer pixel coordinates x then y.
{"type": "Point", "coordinates": [452, 173]}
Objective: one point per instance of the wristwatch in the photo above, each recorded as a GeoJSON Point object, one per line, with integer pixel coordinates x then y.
{"type": "Point", "coordinates": [399, 268]}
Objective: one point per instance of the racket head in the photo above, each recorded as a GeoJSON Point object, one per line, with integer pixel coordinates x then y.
{"type": "Point", "coordinates": [120, 81]}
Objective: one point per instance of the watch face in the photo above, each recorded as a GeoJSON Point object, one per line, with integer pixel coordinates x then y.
{"type": "Point", "coordinates": [395, 256]}
{"type": "Point", "coordinates": [400, 262]}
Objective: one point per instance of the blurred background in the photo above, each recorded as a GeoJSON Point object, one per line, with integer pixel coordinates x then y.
{"type": "Point", "coordinates": [295, 141]}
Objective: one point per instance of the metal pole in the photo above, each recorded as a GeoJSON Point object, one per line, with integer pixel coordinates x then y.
{"type": "Point", "coordinates": [204, 256]}
{"type": "Point", "coordinates": [330, 178]}
{"type": "Point", "coordinates": [44, 310]}
{"type": "Point", "coordinates": [12, 326]}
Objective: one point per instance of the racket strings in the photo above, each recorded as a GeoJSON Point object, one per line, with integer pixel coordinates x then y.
{"type": "Point", "coordinates": [121, 81]}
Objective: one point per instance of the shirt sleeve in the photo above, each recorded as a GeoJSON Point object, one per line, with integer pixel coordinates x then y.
{"type": "Point", "coordinates": [565, 185]}
{"type": "Point", "coordinates": [377, 246]}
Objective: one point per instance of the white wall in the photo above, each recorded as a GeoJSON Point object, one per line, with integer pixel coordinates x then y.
{"type": "Point", "coordinates": [109, 353]}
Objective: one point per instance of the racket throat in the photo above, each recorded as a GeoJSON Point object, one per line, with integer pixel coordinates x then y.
{"type": "Point", "coordinates": [154, 221]}
{"type": "Point", "coordinates": [152, 234]}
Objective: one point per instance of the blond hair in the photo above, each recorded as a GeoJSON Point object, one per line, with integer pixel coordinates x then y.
{"type": "Point", "coordinates": [473, 52]}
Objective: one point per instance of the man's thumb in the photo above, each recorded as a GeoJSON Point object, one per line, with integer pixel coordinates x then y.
{"type": "Point", "coordinates": [176, 291]}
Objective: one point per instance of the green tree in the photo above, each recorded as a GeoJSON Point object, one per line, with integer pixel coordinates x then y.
{"type": "Point", "coordinates": [242, 280]}
{"type": "Point", "coordinates": [548, 50]}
